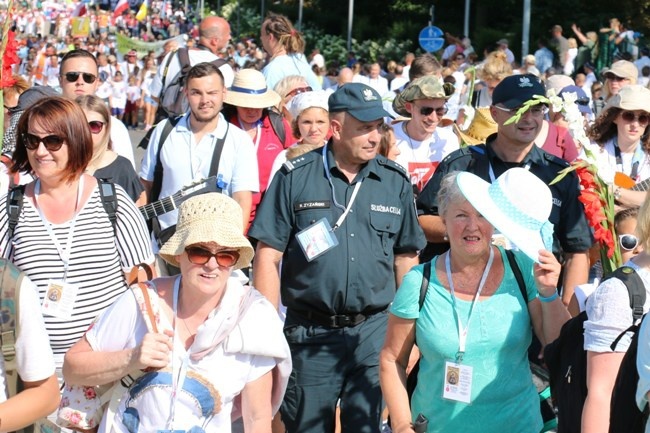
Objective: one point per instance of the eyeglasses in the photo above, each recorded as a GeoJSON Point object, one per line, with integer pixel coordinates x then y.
{"type": "Point", "coordinates": [96, 126]}
{"type": "Point", "coordinates": [535, 111]}
{"type": "Point", "coordinates": [72, 77]}
{"type": "Point", "coordinates": [426, 111]}
{"type": "Point", "coordinates": [630, 117]}
{"type": "Point", "coordinates": [201, 256]}
{"type": "Point", "coordinates": [51, 142]}
{"type": "Point", "coordinates": [628, 242]}
{"type": "Point", "coordinates": [298, 91]}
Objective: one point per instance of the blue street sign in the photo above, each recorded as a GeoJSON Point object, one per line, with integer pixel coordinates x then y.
{"type": "Point", "coordinates": [431, 39]}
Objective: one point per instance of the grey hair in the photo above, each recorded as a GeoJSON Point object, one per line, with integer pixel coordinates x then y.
{"type": "Point", "coordinates": [449, 193]}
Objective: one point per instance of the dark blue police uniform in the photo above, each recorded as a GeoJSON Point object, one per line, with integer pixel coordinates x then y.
{"type": "Point", "coordinates": [336, 303]}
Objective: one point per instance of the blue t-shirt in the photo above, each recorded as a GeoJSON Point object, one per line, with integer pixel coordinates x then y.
{"type": "Point", "coordinates": [290, 64]}
{"type": "Point", "coordinates": [503, 396]}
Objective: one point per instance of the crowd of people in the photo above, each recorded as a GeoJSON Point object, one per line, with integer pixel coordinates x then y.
{"type": "Point", "coordinates": [292, 281]}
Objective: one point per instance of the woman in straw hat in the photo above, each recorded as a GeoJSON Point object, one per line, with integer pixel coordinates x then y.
{"type": "Point", "coordinates": [474, 325]}
{"type": "Point", "coordinates": [622, 143]}
{"type": "Point", "coordinates": [217, 339]}
{"type": "Point", "coordinates": [247, 105]}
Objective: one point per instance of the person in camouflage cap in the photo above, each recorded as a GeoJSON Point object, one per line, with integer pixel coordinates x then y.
{"type": "Point", "coordinates": [423, 139]}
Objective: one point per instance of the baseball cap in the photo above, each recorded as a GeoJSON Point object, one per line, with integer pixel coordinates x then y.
{"type": "Point", "coordinates": [582, 99]}
{"type": "Point", "coordinates": [632, 97]}
{"type": "Point", "coordinates": [32, 95]}
{"type": "Point", "coordinates": [360, 101]}
{"type": "Point", "coordinates": [623, 69]}
{"type": "Point", "coordinates": [515, 90]}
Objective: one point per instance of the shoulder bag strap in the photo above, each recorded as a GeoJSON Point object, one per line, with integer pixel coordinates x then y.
{"type": "Point", "coordinates": [515, 270]}
{"type": "Point", "coordinates": [216, 155]}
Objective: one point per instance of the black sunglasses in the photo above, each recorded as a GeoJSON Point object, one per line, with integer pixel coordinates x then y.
{"type": "Point", "coordinates": [96, 126]}
{"type": "Point", "coordinates": [72, 77]}
{"type": "Point", "coordinates": [582, 101]}
{"type": "Point", "coordinates": [201, 256]}
{"type": "Point", "coordinates": [298, 90]}
{"type": "Point", "coordinates": [51, 142]}
{"type": "Point", "coordinates": [628, 242]}
{"type": "Point", "coordinates": [440, 111]}
{"type": "Point", "coordinates": [630, 117]}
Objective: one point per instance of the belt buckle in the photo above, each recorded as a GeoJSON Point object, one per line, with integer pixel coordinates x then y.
{"type": "Point", "coordinates": [341, 321]}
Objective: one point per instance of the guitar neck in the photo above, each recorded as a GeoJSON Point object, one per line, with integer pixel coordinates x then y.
{"type": "Point", "coordinates": [161, 206]}
{"type": "Point", "coordinates": [641, 186]}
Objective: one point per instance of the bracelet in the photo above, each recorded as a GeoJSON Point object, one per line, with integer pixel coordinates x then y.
{"type": "Point", "coordinates": [617, 193]}
{"type": "Point", "coordinates": [551, 298]}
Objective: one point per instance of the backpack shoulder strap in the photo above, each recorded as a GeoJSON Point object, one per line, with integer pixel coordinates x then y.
{"type": "Point", "coordinates": [156, 186]}
{"type": "Point", "coordinates": [426, 275]}
{"type": "Point", "coordinates": [183, 58]}
{"type": "Point", "coordinates": [14, 207]}
{"type": "Point", "coordinates": [216, 154]}
{"type": "Point", "coordinates": [514, 266]}
{"type": "Point", "coordinates": [278, 125]}
{"type": "Point", "coordinates": [164, 75]}
{"type": "Point", "coordinates": [635, 289]}
{"type": "Point", "coordinates": [12, 279]}
{"type": "Point", "coordinates": [109, 201]}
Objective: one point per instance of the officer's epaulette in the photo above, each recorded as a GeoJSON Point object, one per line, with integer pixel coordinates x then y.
{"type": "Point", "coordinates": [555, 160]}
{"type": "Point", "coordinates": [388, 163]}
{"type": "Point", "coordinates": [300, 161]}
{"type": "Point", "coordinates": [464, 152]}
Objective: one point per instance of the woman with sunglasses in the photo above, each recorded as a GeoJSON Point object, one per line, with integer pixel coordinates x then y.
{"type": "Point", "coordinates": [64, 240]}
{"type": "Point", "coordinates": [620, 133]}
{"type": "Point", "coordinates": [105, 163]}
{"type": "Point", "coordinates": [609, 316]}
{"type": "Point", "coordinates": [216, 340]}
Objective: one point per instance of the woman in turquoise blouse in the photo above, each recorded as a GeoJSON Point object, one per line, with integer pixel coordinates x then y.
{"type": "Point", "coordinates": [474, 327]}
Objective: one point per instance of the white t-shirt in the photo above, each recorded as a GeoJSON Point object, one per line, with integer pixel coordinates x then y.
{"type": "Point", "coordinates": [121, 140]}
{"type": "Point", "coordinates": [607, 166]}
{"type": "Point", "coordinates": [118, 96]}
{"type": "Point", "coordinates": [195, 56]}
{"type": "Point", "coordinates": [184, 160]}
{"type": "Point", "coordinates": [421, 158]}
{"type": "Point", "coordinates": [34, 359]}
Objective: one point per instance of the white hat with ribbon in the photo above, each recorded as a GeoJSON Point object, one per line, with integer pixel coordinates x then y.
{"type": "Point", "coordinates": [517, 204]}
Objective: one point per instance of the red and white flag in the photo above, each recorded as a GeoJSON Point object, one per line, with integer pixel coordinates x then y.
{"type": "Point", "coordinates": [121, 6]}
{"type": "Point", "coordinates": [79, 11]}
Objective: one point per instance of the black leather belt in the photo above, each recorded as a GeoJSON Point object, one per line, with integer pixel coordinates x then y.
{"type": "Point", "coordinates": [337, 320]}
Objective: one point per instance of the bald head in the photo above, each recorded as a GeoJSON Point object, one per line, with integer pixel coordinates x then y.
{"type": "Point", "coordinates": [345, 76]}
{"type": "Point", "coordinates": [214, 33]}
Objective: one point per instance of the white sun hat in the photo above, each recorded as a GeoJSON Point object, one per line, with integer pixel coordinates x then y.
{"type": "Point", "coordinates": [249, 90]}
{"type": "Point", "coordinates": [517, 204]}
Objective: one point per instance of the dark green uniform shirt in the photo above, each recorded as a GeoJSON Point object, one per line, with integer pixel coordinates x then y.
{"type": "Point", "coordinates": [357, 275]}
{"type": "Point", "coordinates": [571, 232]}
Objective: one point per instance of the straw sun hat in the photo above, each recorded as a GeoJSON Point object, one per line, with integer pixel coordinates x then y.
{"type": "Point", "coordinates": [249, 90]}
{"type": "Point", "coordinates": [506, 204]}
{"type": "Point", "coordinates": [480, 129]}
{"type": "Point", "coordinates": [206, 218]}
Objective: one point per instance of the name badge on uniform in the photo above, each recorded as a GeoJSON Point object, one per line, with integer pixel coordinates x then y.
{"type": "Point", "coordinates": [317, 239]}
{"type": "Point", "coordinates": [457, 384]}
{"type": "Point", "coordinates": [59, 299]}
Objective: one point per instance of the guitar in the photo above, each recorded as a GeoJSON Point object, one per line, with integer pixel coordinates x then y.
{"type": "Point", "coordinates": [626, 182]}
{"type": "Point", "coordinates": [172, 202]}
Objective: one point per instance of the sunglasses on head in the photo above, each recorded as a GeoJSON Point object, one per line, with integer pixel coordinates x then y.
{"type": "Point", "coordinates": [613, 77]}
{"type": "Point", "coordinates": [96, 126]}
{"type": "Point", "coordinates": [440, 111]}
{"type": "Point", "coordinates": [201, 256]}
{"type": "Point", "coordinates": [51, 142]}
{"type": "Point", "coordinates": [72, 77]}
{"type": "Point", "coordinates": [630, 116]}
{"type": "Point", "coordinates": [298, 91]}
{"type": "Point", "coordinates": [582, 101]}
{"type": "Point", "coordinates": [628, 242]}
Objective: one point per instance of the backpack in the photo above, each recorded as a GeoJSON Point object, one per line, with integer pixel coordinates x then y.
{"type": "Point", "coordinates": [15, 204]}
{"type": "Point", "coordinates": [173, 101]}
{"type": "Point", "coordinates": [566, 358]}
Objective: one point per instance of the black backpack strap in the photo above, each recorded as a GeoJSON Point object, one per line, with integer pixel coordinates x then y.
{"type": "Point", "coordinates": [278, 125]}
{"type": "Point", "coordinates": [109, 200]}
{"type": "Point", "coordinates": [158, 169]}
{"type": "Point", "coordinates": [164, 75]}
{"type": "Point", "coordinates": [14, 207]}
{"type": "Point", "coordinates": [517, 272]}
{"type": "Point", "coordinates": [216, 155]}
{"type": "Point", "coordinates": [637, 294]}
{"type": "Point", "coordinates": [426, 275]}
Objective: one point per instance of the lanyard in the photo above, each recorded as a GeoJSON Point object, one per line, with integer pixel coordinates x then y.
{"type": "Point", "coordinates": [258, 133]}
{"type": "Point", "coordinates": [639, 154]}
{"type": "Point", "coordinates": [63, 253]}
{"type": "Point", "coordinates": [493, 178]}
{"type": "Point", "coordinates": [346, 210]}
{"type": "Point", "coordinates": [179, 372]}
{"type": "Point", "coordinates": [462, 331]}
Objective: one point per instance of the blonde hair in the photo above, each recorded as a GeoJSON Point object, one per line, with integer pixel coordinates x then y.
{"type": "Point", "coordinates": [643, 224]}
{"type": "Point", "coordinates": [572, 43]}
{"type": "Point", "coordinates": [496, 67]}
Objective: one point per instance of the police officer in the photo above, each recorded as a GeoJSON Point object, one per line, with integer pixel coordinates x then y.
{"type": "Point", "coordinates": [342, 221]}
{"type": "Point", "coordinates": [513, 146]}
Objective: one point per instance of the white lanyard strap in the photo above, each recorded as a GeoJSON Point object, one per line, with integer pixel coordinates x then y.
{"type": "Point", "coordinates": [493, 178]}
{"type": "Point", "coordinates": [462, 331]}
{"type": "Point", "coordinates": [179, 372]}
{"type": "Point", "coordinates": [63, 253]}
{"type": "Point", "coordinates": [346, 209]}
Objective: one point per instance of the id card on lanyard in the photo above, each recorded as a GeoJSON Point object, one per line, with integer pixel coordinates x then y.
{"type": "Point", "coordinates": [61, 295]}
{"type": "Point", "coordinates": [458, 377]}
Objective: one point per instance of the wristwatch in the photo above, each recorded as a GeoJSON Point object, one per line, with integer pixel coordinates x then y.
{"type": "Point", "coordinates": [617, 193]}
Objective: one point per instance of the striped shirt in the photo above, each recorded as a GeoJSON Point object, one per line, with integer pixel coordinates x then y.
{"type": "Point", "coordinates": [96, 259]}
